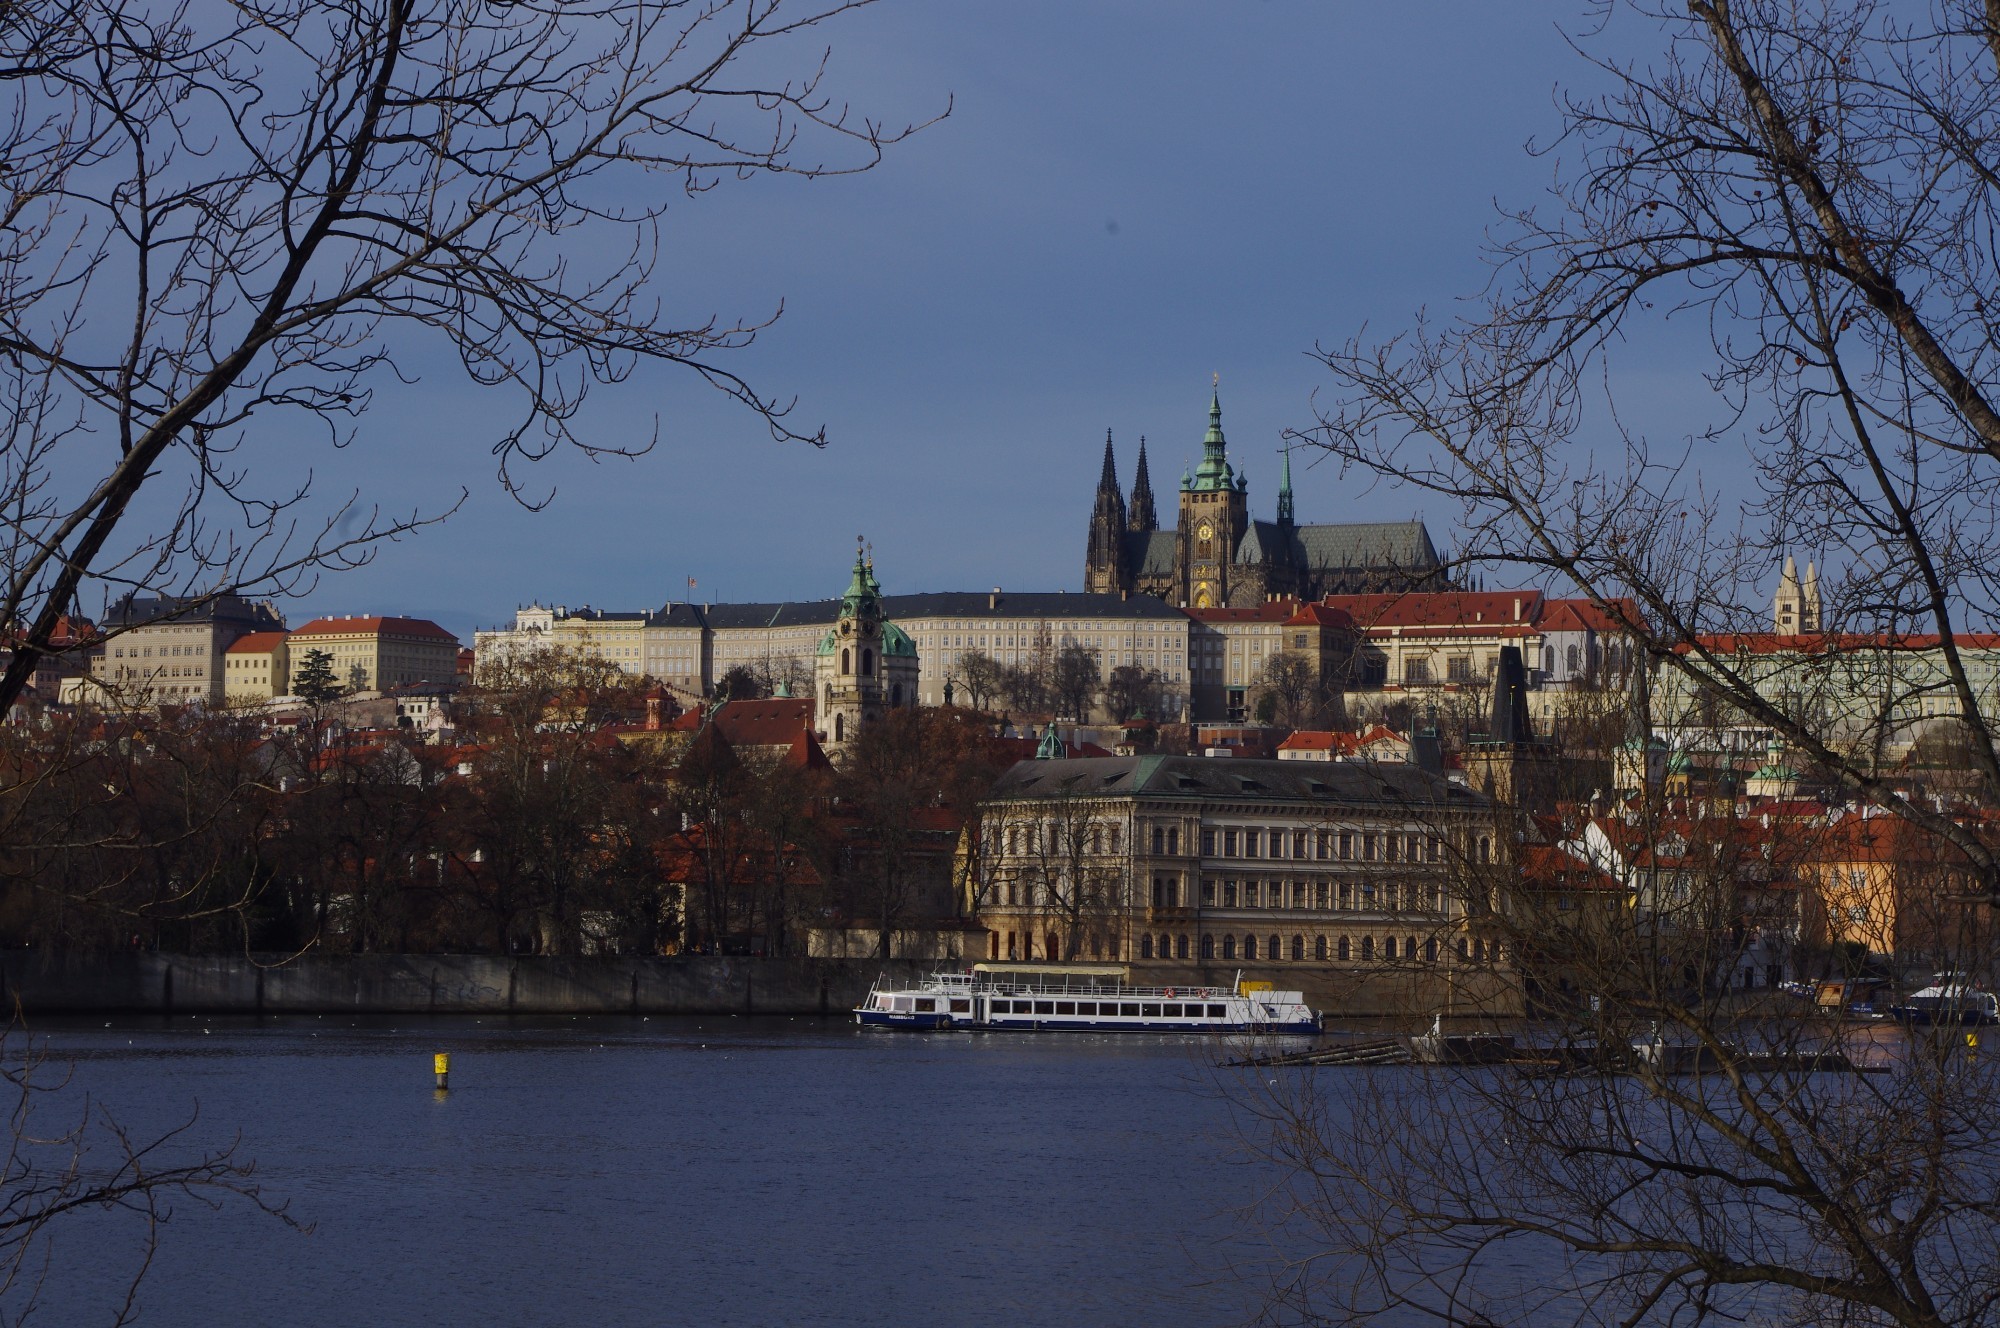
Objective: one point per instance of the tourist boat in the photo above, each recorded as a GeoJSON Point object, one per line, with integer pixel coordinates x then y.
{"type": "Point", "coordinates": [1952, 998]}
{"type": "Point", "coordinates": [1081, 998]}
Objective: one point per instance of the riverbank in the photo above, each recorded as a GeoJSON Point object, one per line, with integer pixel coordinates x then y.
{"type": "Point", "coordinates": [437, 984]}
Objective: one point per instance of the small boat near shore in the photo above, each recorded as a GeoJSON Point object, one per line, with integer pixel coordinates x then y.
{"type": "Point", "coordinates": [1060, 998]}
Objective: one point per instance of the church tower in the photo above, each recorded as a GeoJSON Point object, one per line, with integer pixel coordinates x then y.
{"type": "Point", "coordinates": [865, 665]}
{"type": "Point", "coordinates": [1795, 608]}
{"type": "Point", "coordinates": [1214, 517]}
{"type": "Point", "coordinates": [1105, 572]}
{"type": "Point", "coordinates": [1140, 516]}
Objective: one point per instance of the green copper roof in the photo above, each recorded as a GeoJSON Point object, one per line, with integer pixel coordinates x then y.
{"type": "Point", "coordinates": [825, 643]}
{"type": "Point", "coordinates": [1052, 748]}
{"type": "Point", "coordinates": [862, 590]}
{"type": "Point", "coordinates": [896, 641]}
{"type": "Point", "coordinates": [1213, 472]}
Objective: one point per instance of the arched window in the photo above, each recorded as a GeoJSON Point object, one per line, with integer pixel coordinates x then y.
{"type": "Point", "coordinates": [1249, 947]}
{"type": "Point", "coordinates": [1464, 950]}
{"type": "Point", "coordinates": [1229, 947]}
{"type": "Point", "coordinates": [1319, 947]}
{"type": "Point", "coordinates": [846, 659]}
{"type": "Point", "coordinates": [1055, 947]}
{"type": "Point", "coordinates": [1409, 947]}
{"type": "Point", "coordinates": [1145, 947]}
{"type": "Point", "coordinates": [1345, 949]}
{"type": "Point", "coordinates": [1274, 950]}
{"type": "Point", "coordinates": [1367, 947]}
{"type": "Point", "coordinates": [1485, 849]}
{"type": "Point", "coordinates": [828, 703]}
{"type": "Point", "coordinates": [1548, 659]}
{"type": "Point", "coordinates": [840, 728]}
{"type": "Point", "coordinates": [1096, 839]}
{"type": "Point", "coordinates": [1572, 659]}
{"type": "Point", "coordinates": [1208, 947]}
{"type": "Point", "coordinates": [895, 693]}
{"type": "Point", "coordinates": [867, 661]}
{"type": "Point", "coordinates": [1431, 950]}
{"type": "Point", "coordinates": [1388, 947]}
{"type": "Point", "coordinates": [1180, 947]}
{"type": "Point", "coordinates": [1298, 947]}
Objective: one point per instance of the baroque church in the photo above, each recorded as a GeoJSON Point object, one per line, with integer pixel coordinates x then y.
{"type": "Point", "coordinates": [1217, 556]}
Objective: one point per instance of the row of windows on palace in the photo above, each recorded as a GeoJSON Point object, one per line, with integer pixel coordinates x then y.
{"type": "Point", "coordinates": [1259, 842]}
{"type": "Point", "coordinates": [1346, 895]}
{"type": "Point", "coordinates": [1323, 948]}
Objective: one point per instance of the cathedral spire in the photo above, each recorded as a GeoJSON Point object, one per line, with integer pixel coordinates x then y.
{"type": "Point", "coordinates": [1141, 514]}
{"type": "Point", "coordinates": [1214, 472]}
{"type": "Point", "coordinates": [1109, 478]}
{"type": "Point", "coordinates": [1104, 565]}
{"type": "Point", "coordinates": [1285, 517]}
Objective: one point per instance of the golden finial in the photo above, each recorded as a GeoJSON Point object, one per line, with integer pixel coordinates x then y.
{"type": "Point", "coordinates": [1217, 378]}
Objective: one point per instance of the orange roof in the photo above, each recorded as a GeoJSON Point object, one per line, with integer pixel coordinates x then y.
{"type": "Point", "coordinates": [257, 643]}
{"type": "Point", "coordinates": [1313, 740]}
{"type": "Point", "coordinates": [372, 626]}
{"type": "Point", "coordinates": [1273, 611]}
{"type": "Point", "coordinates": [1443, 609]}
{"type": "Point", "coordinates": [1581, 615]}
{"type": "Point", "coordinates": [1320, 615]}
{"type": "Point", "coordinates": [774, 722]}
{"type": "Point", "coordinates": [1816, 643]}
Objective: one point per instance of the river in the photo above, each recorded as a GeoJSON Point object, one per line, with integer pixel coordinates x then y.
{"type": "Point", "coordinates": [618, 1171]}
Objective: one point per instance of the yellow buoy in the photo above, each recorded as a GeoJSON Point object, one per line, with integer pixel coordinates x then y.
{"type": "Point", "coordinates": [442, 1064]}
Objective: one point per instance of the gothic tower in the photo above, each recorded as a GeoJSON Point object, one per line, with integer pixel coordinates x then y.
{"type": "Point", "coordinates": [1104, 567]}
{"type": "Point", "coordinates": [1795, 608]}
{"type": "Point", "coordinates": [1214, 517]}
{"type": "Point", "coordinates": [1140, 516]}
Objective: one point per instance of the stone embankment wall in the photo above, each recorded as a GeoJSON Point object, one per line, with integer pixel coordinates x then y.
{"type": "Point", "coordinates": [437, 984]}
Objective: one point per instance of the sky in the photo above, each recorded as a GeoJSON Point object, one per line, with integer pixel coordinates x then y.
{"type": "Point", "coordinates": [1126, 199]}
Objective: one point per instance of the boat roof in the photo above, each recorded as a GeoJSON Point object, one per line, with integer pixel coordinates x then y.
{"type": "Point", "coordinates": [1072, 970]}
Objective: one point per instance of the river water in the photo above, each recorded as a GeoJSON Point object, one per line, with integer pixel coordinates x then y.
{"type": "Point", "coordinates": [617, 1171]}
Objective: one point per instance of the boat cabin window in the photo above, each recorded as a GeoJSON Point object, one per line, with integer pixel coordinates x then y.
{"type": "Point", "coordinates": [1045, 1007]}
{"type": "Point", "coordinates": [961, 1005]}
{"type": "Point", "coordinates": [1086, 1007]}
{"type": "Point", "coordinates": [1150, 1011]}
{"type": "Point", "coordinates": [1216, 1012]}
{"type": "Point", "coordinates": [1130, 1011]}
{"type": "Point", "coordinates": [1170, 1011]}
{"type": "Point", "coordinates": [1065, 1007]}
{"type": "Point", "coordinates": [926, 1005]}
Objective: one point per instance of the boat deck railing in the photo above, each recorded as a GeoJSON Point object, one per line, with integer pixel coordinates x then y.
{"type": "Point", "coordinates": [986, 984]}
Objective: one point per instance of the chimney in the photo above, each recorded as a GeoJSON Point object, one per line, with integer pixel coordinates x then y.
{"type": "Point", "coordinates": [1517, 608]}
{"type": "Point", "coordinates": [993, 600]}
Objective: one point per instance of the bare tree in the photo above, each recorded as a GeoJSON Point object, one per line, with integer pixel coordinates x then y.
{"type": "Point", "coordinates": [1814, 184]}
{"type": "Point", "coordinates": [224, 224]}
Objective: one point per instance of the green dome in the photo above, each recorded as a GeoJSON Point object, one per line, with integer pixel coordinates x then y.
{"type": "Point", "coordinates": [825, 644]}
{"type": "Point", "coordinates": [895, 641]}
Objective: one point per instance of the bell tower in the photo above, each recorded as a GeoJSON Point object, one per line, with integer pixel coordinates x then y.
{"type": "Point", "coordinates": [1104, 569]}
{"type": "Point", "coordinates": [1214, 516]}
{"type": "Point", "coordinates": [849, 666]}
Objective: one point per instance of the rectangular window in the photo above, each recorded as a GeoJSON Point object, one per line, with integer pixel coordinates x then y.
{"type": "Point", "coordinates": [1299, 844]}
{"type": "Point", "coordinates": [1346, 845]}
{"type": "Point", "coordinates": [1216, 1012]}
{"type": "Point", "coordinates": [1159, 839]}
{"type": "Point", "coordinates": [1208, 894]}
{"type": "Point", "coordinates": [1368, 848]}
{"type": "Point", "coordinates": [1346, 895]}
{"type": "Point", "coordinates": [1170, 1011]}
{"type": "Point", "coordinates": [1319, 895]}
{"type": "Point", "coordinates": [1130, 1011]}
{"type": "Point", "coordinates": [1045, 1007]}
{"type": "Point", "coordinates": [1229, 894]}
{"type": "Point", "coordinates": [1389, 847]}
{"type": "Point", "coordinates": [1065, 1007]}
{"type": "Point", "coordinates": [1416, 672]}
{"type": "Point", "coordinates": [1249, 843]}
{"type": "Point", "coordinates": [1173, 839]}
{"type": "Point", "coordinates": [1228, 843]}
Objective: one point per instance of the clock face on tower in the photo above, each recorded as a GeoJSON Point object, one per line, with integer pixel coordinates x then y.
{"type": "Point", "coordinates": [1205, 531]}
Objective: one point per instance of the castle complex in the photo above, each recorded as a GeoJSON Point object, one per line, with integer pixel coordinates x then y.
{"type": "Point", "coordinates": [1217, 556]}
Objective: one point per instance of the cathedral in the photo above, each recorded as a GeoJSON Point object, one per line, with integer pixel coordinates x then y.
{"type": "Point", "coordinates": [1217, 556]}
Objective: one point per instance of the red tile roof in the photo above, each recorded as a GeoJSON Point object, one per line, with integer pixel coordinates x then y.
{"type": "Point", "coordinates": [257, 643]}
{"type": "Point", "coordinates": [1818, 643]}
{"type": "Point", "coordinates": [1453, 610]}
{"type": "Point", "coordinates": [370, 626]}
{"type": "Point", "coordinates": [1272, 611]}
{"type": "Point", "coordinates": [1320, 615]}
{"type": "Point", "coordinates": [1581, 615]}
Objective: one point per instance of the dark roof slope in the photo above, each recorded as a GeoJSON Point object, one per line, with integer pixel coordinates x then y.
{"type": "Point", "coordinates": [1372, 784]}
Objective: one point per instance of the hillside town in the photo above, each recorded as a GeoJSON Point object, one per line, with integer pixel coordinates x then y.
{"type": "Point", "coordinates": [1248, 746]}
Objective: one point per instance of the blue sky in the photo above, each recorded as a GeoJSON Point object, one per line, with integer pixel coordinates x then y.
{"type": "Point", "coordinates": [1126, 198]}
